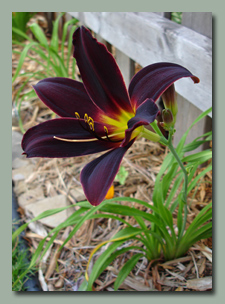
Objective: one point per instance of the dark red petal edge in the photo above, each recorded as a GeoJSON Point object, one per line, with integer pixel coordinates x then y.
{"type": "Point", "coordinates": [39, 141]}
{"type": "Point", "coordinates": [153, 80]}
{"type": "Point", "coordinates": [97, 176]}
{"type": "Point", "coordinates": [100, 73]}
{"type": "Point", "coordinates": [146, 113]}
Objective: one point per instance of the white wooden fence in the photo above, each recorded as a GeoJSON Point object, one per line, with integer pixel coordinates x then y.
{"type": "Point", "coordinates": [146, 38]}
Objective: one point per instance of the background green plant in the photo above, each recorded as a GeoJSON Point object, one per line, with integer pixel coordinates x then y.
{"type": "Point", "coordinates": [50, 54]}
{"type": "Point", "coordinates": [176, 17]}
{"type": "Point", "coordinates": [19, 21]}
{"type": "Point", "coordinates": [19, 265]}
{"type": "Point", "coordinates": [122, 175]}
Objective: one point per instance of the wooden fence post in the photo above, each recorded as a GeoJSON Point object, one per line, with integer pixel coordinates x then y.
{"type": "Point", "coordinates": [199, 22]}
{"type": "Point", "coordinates": [187, 112]}
{"type": "Point", "coordinates": [126, 65]}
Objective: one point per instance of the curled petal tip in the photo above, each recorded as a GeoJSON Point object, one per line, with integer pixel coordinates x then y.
{"type": "Point", "coordinates": [195, 79]}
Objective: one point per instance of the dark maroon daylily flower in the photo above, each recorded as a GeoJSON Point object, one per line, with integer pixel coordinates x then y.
{"type": "Point", "coordinates": [98, 114]}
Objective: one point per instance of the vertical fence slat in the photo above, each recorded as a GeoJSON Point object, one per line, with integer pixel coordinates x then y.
{"type": "Point", "coordinates": [50, 17]}
{"type": "Point", "coordinates": [201, 23]}
{"type": "Point", "coordinates": [164, 14]}
{"type": "Point", "coordinates": [187, 113]}
{"type": "Point", "coordinates": [126, 66]}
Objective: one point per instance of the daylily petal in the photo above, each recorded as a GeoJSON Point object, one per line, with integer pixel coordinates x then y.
{"type": "Point", "coordinates": [97, 176]}
{"type": "Point", "coordinates": [153, 80]}
{"type": "Point", "coordinates": [48, 139]}
{"type": "Point", "coordinates": [66, 96]}
{"type": "Point", "coordinates": [100, 73]}
{"type": "Point", "coordinates": [146, 113]}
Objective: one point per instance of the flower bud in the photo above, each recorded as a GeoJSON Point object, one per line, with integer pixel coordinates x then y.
{"type": "Point", "coordinates": [169, 100]}
{"type": "Point", "coordinates": [167, 116]}
{"type": "Point", "coordinates": [168, 120]}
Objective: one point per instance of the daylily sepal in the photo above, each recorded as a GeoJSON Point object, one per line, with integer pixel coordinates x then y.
{"type": "Point", "coordinates": [149, 135]}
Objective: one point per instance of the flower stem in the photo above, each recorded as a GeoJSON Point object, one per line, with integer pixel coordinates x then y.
{"type": "Point", "coordinates": [155, 127]}
{"type": "Point", "coordinates": [168, 143]}
{"type": "Point", "coordinates": [184, 200]}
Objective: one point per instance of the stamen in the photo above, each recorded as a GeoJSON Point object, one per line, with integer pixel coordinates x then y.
{"type": "Point", "coordinates": [86, 117]}
{"type": "Point", "coordinates": [90, 119]}
{"type": "Point", "coordinates": [91, 123]}
{"type": "Point", "coordinates": [75, 140]}
{"type": "Point", "coordinates": [77, 115]}
{"type": "Point", "coordinates": [107, 136]}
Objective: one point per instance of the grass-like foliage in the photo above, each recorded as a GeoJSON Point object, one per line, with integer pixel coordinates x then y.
{"type": "Point", "coordinates": [19, 265]}
{"type": "Point", "coordinates": [155, 227]}
{"type": "Point", "coordinates": [19, 21]}
{"type": "Point", "coordinates": [176, 17]}
{"type": "Point", "coordinates": [50, 54]}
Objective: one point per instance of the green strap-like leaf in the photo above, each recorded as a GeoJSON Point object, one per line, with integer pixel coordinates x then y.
{"type": "Point", "coordinates": [173, 190]}
{"type": "Point", "coordinates": [112, 257]}
{"type": "Point", "coordinates": [101, 260]}
{"type": "Point", "coordinates": [126, 269]}
{"type": "Point", "coordinates": [22, 58]}
{"type": "Point", "coordinates": [65, 31]}
{"type": "Point", "coordinates": [39, 34]}
{"type": "Point", "coordinates": [55, 34]}
{"type": "Point", "coordinates": [21, 33]}
{"type": "Point", "coordinates": [200, 157]}
{"type": "Point", "coordinates": [200, 175]}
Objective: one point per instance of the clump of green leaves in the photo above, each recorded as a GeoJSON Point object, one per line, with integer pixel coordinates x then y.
{"type": "Point", "coordinates": [19, 265]}
{"type": "Point", "coordinates": [49, 54]}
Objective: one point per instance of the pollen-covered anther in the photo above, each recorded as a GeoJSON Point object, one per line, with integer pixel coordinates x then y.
{"type": "Point", "coordinates": [107, 136]}
{"type": "Point", "coordinates": [86, 117]}
{"type": "Point", "coordinates": [91, 123]}
{"type": "Point", "coordinates": [77, 115]}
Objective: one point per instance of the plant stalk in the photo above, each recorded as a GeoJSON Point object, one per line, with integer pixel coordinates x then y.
{"type": "Point", "coordinates": [184, 200]}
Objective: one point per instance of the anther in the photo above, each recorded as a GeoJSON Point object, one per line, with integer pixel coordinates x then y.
{"type": "Point", "coordinates": [91, 125]}
{"type": "Point", "coordinates": [77, 115]}
{"type": "Point", "coordinates": [86, 117]}
{"type": "Point", "coordinates": [90, 120]}
{"type": "Point", "coordinates": [106, 134]}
